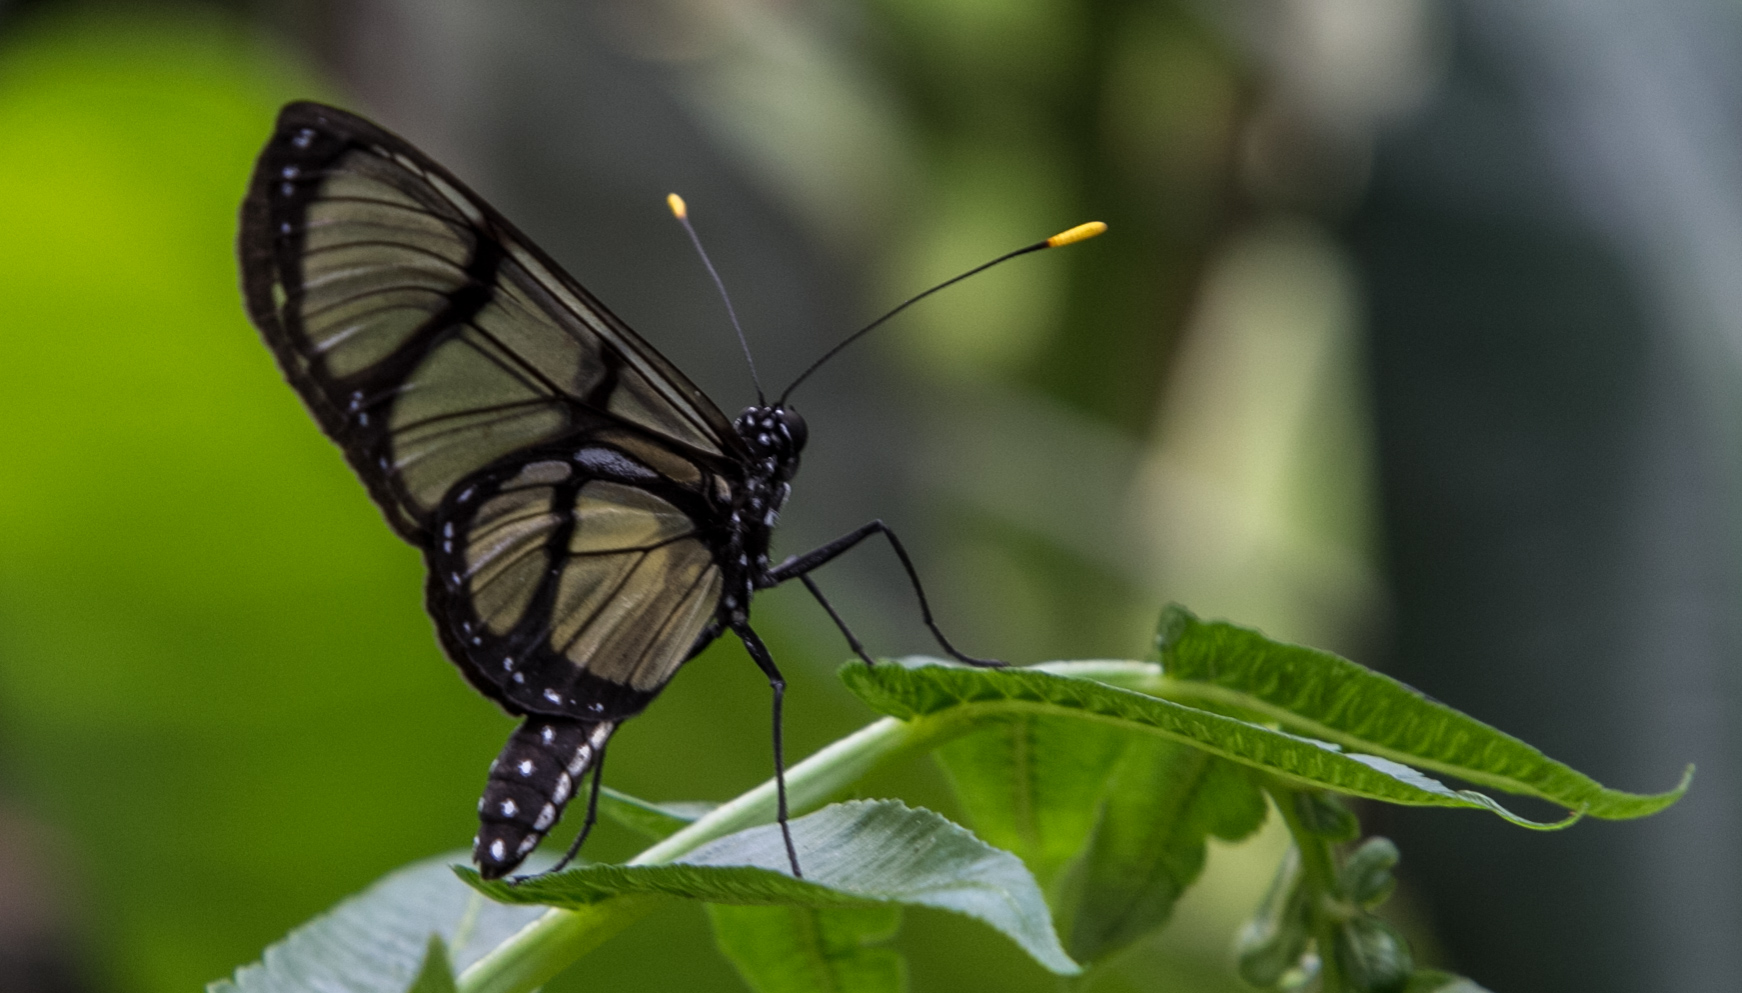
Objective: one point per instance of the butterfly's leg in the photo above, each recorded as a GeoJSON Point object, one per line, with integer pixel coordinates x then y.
{"type": "Point", "coordinates": [799, 565]}
{"type": "Point", "coordinates": [777, 683]}
{"type": "Point", "coordinates": [586, 825]}
{"type": "Point", "coordinates": [852, 640]}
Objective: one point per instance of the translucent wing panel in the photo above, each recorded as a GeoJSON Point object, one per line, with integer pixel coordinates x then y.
{"type": "Point", "coordinates": [366, 174]}
{"type": "Point", "coordinates": [631, 619]}
{"type": "Point", "coordinates": [646, 390]}
{"type": "Point", "coordinates": [506, 555]}
{"type": "Point", "coordinates": [610, 516]}
{"type": "Point", "coordinates": [502, 592]}
{"type": "Point", "coordinates": [645, 629]}
{"type": "Point", "coordinates": [349, 334]}
{"type": "Point", "coordinates": [376, 264]}
{"type": "Point", "coordinates": [467, 404]}
{"type": "Point", "coordinates": [635, 584]}
{"type": "Point", "coordinates": [339, 220]}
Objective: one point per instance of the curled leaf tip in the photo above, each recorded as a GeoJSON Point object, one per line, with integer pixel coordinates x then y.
{"type": "Point", "coordinates": [1172, 626]}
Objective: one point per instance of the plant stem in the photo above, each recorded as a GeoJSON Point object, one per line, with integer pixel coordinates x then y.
{"type": "Point", "coordinates": [549, 944]}
{"type": "Point", "coordinates": [808, 784]}
{"type": "Point", "coordinates": [1319, 868]}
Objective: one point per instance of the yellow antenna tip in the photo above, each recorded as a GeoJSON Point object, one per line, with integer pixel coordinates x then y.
{"type": "Point", "coordinates": [1082, 232]}
{"type": "Point", "coordinates": [679, 211]}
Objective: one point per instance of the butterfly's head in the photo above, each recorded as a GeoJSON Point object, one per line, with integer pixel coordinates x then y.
{"type": "Point", "coordinates": [774, 432]}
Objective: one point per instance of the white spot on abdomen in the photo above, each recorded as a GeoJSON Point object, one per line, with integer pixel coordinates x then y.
{"type": "Point", "coordinates": [583, 755]}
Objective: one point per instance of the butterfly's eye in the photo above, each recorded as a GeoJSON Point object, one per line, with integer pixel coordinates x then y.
{"type": "Point", "coordinates": [795, 427]}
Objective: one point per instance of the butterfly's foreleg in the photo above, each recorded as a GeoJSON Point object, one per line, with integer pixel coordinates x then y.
{"type": "Point", "coordinates": [800, 565]}
{"type": "Point", "coordinates": [777, 683]}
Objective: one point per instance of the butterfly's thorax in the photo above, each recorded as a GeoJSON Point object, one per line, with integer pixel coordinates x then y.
{"type": "Point", "coordinates": [773, 438]}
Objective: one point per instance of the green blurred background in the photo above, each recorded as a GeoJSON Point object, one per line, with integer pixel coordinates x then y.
{"type": "Point", "coordinates": [1414, 337]}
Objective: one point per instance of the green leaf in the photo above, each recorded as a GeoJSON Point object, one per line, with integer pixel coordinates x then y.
{"type": "Point", "coordinates": [1373, 958]}
{"type": "Point", "coordinates": [380, 940]}
{"type": "Point", "coordinates": [804, 949]}
{"type": "Point", "coordinates": [1031, 785]}
{"type": "Point", "coordinates": [1329, 697]}
{"type": "Point", "coordinates": [1271, 944]}
{"type": "Point", "coordinates": [1163, 801]}
{"type": "Point", "coordinates": [854, 854]}
{"type": "Point", "coordinates": [437, 974]}
{"type": "Point", "coordinates": [957, 695]}
{"type": "Point", "coordinates": [1324, 815]}
{"type": "Point", "coordinates": [653, 820]}
{"type": "Point", "coordinates": [1434, 981]}
{"type": "Point", "coordinates": [1366, 877]}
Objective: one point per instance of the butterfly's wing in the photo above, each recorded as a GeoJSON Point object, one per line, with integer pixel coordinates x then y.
{"type": "Point", "coordinates": [456, 365]}
{"type": "Point", "coordinates": [578, 583]}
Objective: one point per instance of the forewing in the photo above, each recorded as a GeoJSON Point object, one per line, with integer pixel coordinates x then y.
{"type": "Point", "coordinates": [575, 586]}
{"type": "Point", "coordinates": [427, 335]}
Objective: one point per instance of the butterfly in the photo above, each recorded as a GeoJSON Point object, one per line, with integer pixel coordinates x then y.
{"type": "Point", "coordinates": [589, 518]}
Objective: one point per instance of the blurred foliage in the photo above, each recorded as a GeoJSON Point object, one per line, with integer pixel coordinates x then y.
{"type": "Point", "coordinates": [1035, 115]}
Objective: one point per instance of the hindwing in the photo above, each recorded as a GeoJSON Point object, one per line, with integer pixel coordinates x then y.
{"type": "Point", "coordinates": [575, 583]}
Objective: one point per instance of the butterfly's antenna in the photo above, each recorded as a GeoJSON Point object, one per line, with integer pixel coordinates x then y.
{"type": "Point", "coordinates": [1081, 232]}
{"type": "Point", "coordinates": [682, 213]}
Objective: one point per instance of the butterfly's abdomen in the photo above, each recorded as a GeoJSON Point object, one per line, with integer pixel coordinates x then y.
{"type": "Point", "coordinates": [530, 783]}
